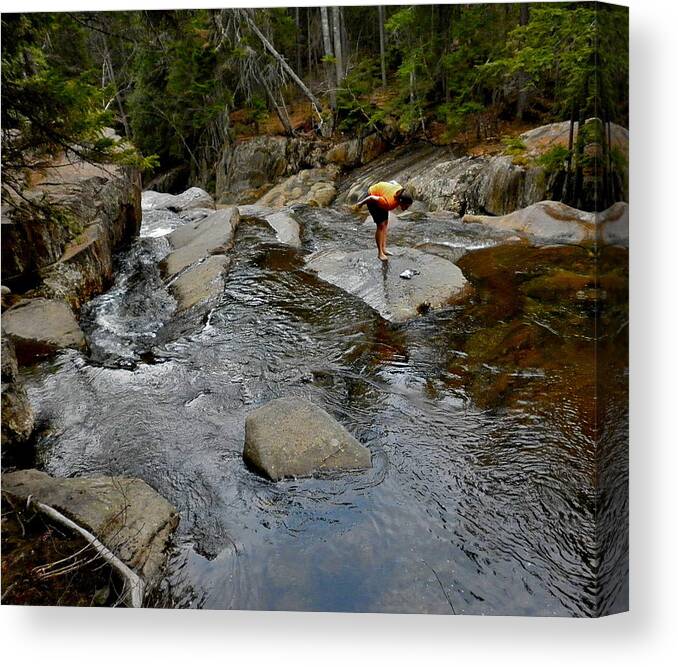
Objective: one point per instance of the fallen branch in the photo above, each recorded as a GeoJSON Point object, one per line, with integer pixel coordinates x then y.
{"type": "Point", "coordinates": [134, 583]}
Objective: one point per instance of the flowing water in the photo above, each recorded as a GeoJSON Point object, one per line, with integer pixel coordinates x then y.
{"type": "Point", "coordinates": [483, 496]}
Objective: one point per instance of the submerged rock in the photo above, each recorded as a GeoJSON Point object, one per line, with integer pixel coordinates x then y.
{"type": "Point", "coordinates": [40, 327]}
{"type": "Point", "coordinates": [194, 241]}
{"type": "Point", "coordinates": [124, 513]}
{"type": "Point", "coordinates": [556, 222]}
{"type": "Point", "coordinates": [291, 437]}
{"type": "Point", "coordinates": [361, 273]}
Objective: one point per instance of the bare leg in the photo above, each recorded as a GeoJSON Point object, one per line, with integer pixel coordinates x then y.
{"type": "Point", "coordinates": [383, 243]}
{"type": "Point", "coordinates": [380, 238]}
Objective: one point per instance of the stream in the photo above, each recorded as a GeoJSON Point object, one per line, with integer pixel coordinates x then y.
{"type": "Point", "coordinates": [482, 498]}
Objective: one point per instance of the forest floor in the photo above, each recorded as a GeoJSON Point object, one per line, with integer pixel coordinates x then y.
{"type": "Point", "coordinates": [246, 125]}
{"type": "Point", "coordinates": [46, 565]}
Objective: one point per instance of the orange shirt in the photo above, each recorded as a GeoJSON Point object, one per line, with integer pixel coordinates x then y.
{"type": "Point", "coordinates": [387, 194]}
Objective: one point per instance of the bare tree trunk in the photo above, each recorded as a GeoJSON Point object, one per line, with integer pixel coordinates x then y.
{"type": "Point", "coordinates": [108, 64]}
{"type": "Point", "coordinates": [308, 38]}
{"type": "Point", "coordinates": [282, 113]}
{"type": "Point", "coordinates": [327, 42]}
{"type": "Point", "coordinates": [283, 63]}
{"type": "Point", "coordinates": [382, 45]}
{"type": "Point", "coordinates": [568, 173]}
{"type": "Point", "coordinates": [298, 23]}
{"type": "Point", "coordinates": [336, 29]}
{"type": "Point", "coordinates": [344, 40]}
{"type": "Point", "coordinates": [578, 170]}
{"type": "Point", "coordinates": [522, 77]}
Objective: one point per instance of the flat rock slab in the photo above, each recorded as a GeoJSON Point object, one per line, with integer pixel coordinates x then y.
{"type": "Point", "coordinates": [40, 327]}
{"type": "Point", "coordinates": [194, 241]}
{"type": "Point", "coordinates": [555, 222]}
{"type": "Point", "coordinates": [124, 513]}
{"type": "Point", "coordinates": [291, 437]}
{"type": "Point", "coordinates": [201, 283]}
{"type": "Point", "coordinates": [191, 198]}
{"type": "Point", "coordinates": [438, 283]}
{"type": "Point", "coordinates": [286, 228]}
{"type": "Point", "coordinates": [255, 211]}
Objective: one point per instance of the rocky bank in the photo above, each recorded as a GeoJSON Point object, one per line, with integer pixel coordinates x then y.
{"type": "Point", "coordinates": [53, 268]}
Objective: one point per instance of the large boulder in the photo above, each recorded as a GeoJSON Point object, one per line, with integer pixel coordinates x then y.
{"type": "Point", "coordinates": [124, 513]}
{"type": "Point", "coordinates": [40, 327]}
{"type": "Point", "coordinates": [449, 185]}
{"type": "Point", "coordinates": [105, 196]}
{"type": "Point", "coordinates": [438, 282]}
{"type": "Point", "coordinates": [310, 186]}
{"type": "Point", "coordinates": [190, 199]}
{"type": "Point", "coordinates": [17, 414]}
{"type": "Point", "coordinates": [555, 222]}
{"type": "Point", "coordinates": [402, 164]}
{"type": "Point", "coordinates": [252, 166]}
{"type": "Point", "coordinates": [540, 139]}
{"type": "Point", "coordinates": [194, 241]}
{"type": "Point", "coordinates": [291, 437]}
{"type": "Point", "coordinates": [474, 184]}
{"type": "Point", "coordinates": [354, 152]}
{"type": "Point", "coordinates": [164, 212]}
{"type": "Point", "coordinates": [84, 270]}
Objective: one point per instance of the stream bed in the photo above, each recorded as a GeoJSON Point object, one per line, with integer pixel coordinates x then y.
{"type": "Point", "coordinates": [484, 495]}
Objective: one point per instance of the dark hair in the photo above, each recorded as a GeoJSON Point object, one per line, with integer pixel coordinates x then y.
{"type": "Point", "coordinates": [405, 198]}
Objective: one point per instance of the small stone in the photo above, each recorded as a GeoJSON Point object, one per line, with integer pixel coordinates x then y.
{"type": "Point", "coordinates": [408, 274]}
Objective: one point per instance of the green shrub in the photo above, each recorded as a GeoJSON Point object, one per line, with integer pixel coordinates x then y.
{"type": "Point", "coordinates": [554, 159]}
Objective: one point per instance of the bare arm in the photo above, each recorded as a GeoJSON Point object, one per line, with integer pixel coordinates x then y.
{"type": "Point", "coordinates": [364, 201]}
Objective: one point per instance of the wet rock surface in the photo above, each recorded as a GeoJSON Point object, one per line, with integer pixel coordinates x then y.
{"type": "Point", "coordinates": [202, 282]}
{"type": "Point", "coordinates": [439, 281]}
{"type": "Point", "coordinates": [194, 241]}
{"type": "Point", "coordinates": [292, 437]}
{"type": "Point", "coordinates": [124, 513]}
{"type": "Point", "coordinates": [40, 327]}
{"type": "Point", "coordinates": [286, 228]}
{"type": "Point", "coordinates": [193, 198]}
{"type": "Point", "coordinates": [17, 414]}
{"type": "Point", "coordinates": [558, 223]}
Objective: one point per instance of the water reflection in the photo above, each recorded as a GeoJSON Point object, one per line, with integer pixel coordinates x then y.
{"type": "Point", "coordinates": [486, 442]}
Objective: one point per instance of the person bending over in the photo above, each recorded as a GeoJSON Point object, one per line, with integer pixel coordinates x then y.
{"type": "Point", "coordinates": [381, 198]}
